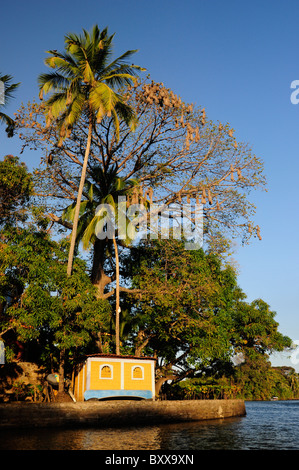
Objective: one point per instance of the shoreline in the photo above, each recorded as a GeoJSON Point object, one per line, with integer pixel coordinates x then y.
{"type": "Point", "coordinates": [118, 413]}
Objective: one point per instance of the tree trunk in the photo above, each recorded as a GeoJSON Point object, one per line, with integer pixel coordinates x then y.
{"type": "Point", "coordinates": [78, 203]}
{"type": "Point", "coordinates": [62, 395]}
{"type": "Point", "coordinates": [61, 371]}
{"type": "Point", "coordinates": [117, 306]}
{"type": "Point", "coordinates": [161, 381]}
{"type": "Point", "coordinates": [141, 342]}
{"type": "Point", "coordinates": [98, 276]}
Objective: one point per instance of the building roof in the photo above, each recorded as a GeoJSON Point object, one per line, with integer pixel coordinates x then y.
{"type": "Point", "coordinates": [115, 356]}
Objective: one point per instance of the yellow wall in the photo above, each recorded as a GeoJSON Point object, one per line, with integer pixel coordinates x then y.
{"type": "Point", "coordinates": [105, 384]}
{"type": "Point", "coordinates": [137, 384]}
{"type": "Point", "coordinates": [80, 383]}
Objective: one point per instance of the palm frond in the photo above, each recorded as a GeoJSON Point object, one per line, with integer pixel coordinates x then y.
{"type": "Point", "coordinates": [89, 233]}
{"type": "Point", "coordinates": [9, 88]}
{"type": "Point", "coordinates": [128, 114]}
{"type": "Point", "coordinates": [75, 109]}
{"type": "Point", "coordinates": [52, 82]}
{"type": "Point", "coordinates": [119, 79]}
{"type": "Point", "coordinates": [56, 105]}
{"type": "Point", "coordinates": [69, 212]}
{"type": "Point", "coordinates": [120, 62]}
{"type": "Point", "coordinates": [102, 96]}
{"type": "Point", "coordinates": [10, 123]}
{"type": "Point", "coordinates": [85, 80]}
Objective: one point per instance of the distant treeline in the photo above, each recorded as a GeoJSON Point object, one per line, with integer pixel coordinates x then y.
{"type": "Point", "coordinates": [248, 384]}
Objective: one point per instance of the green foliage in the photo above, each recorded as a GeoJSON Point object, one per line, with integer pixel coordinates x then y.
{"type": "Point", "coordinates": [255, 380]}
{"type": "Point", "coordinates": [191, 314]}
{"type": "Point", "coordinates": [15, 189]}
{"type": "Point", "coordinates": [256, 328]}
{"type": "Point", "coordinates": [22, 391]}
{"type": "Point", "coordinates": [204, 388]}
{"type": "Point", "coordinates": [45, 305]}
{"type": "Point", "coordinates": [259, 381]}
{"type": "Point", "coordinates": [188, 310]}
{"type": "Point", "coordinates": [185, 302]}
{"type": "Point", "coordinates": [195, 318]}
{"type": "Point", "coordinates": [110, 187]}
{"type": "Point", "coordinates": [65, 306]}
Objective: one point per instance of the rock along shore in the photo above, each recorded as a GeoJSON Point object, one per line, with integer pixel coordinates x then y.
{"type": "Point", "coordinates": [115, 413]}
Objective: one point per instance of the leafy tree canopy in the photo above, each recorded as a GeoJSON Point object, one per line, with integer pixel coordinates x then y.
{"type": "Point", "coordinates": [41, 302]}
{"type": "Point", "coordinates": [194, 315]}
{"type": "Point", "coordinates": [16, 187]}
{"type": "Point", "coordinates": [176, 155]}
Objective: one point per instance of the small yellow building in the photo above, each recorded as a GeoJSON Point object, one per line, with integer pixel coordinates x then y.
{"type": "Point", "coordinates": [104, 376]}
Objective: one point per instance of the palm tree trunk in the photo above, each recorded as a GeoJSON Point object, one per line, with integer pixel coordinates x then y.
{"type": "Point", "coordinates": [117, 298]}
{"type": "Point", "coordinates": [98, 276]}
{"type": "Point", "coordinates": [78, 203]}
{"type": "Point", "coordinates": [61, 371]}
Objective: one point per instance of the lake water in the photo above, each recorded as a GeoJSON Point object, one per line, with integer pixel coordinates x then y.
{"type": "Point", "coordinates": [270, 425]}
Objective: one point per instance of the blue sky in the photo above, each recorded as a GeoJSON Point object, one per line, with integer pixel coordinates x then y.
{"type": "Point", "coordinates": [235, 58]}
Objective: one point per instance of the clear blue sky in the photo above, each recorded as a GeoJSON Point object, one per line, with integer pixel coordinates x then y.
{"type": "Point", "coordinates": [235, 58]}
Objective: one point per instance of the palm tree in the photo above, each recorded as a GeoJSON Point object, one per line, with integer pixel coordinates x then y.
{"type": "Point", "coordinates": [7, 91]}
{"type": "Point", "coordinates": [83, 84]}
{"type": "Point", "coordinates": [91, 222]}
{"type": "Point", "coordinates": [107, 189]}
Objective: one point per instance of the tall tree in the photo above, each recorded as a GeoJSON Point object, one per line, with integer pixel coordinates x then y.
{"type": "Point", "coordinates": [176, 154]}
{"type": "Point", "coordinates": [84, 83]}
{"type": "Point", "coordinates": [6, 93]}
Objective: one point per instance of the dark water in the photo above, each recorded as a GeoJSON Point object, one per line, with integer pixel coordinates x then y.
{"type": "Point", "coordinates": [267, 426]}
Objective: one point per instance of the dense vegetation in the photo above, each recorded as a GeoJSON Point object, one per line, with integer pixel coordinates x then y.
{"type": "Point", "coordinates": [258, 381]}
{"type": "Point", "coordinates": [106, 137]}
